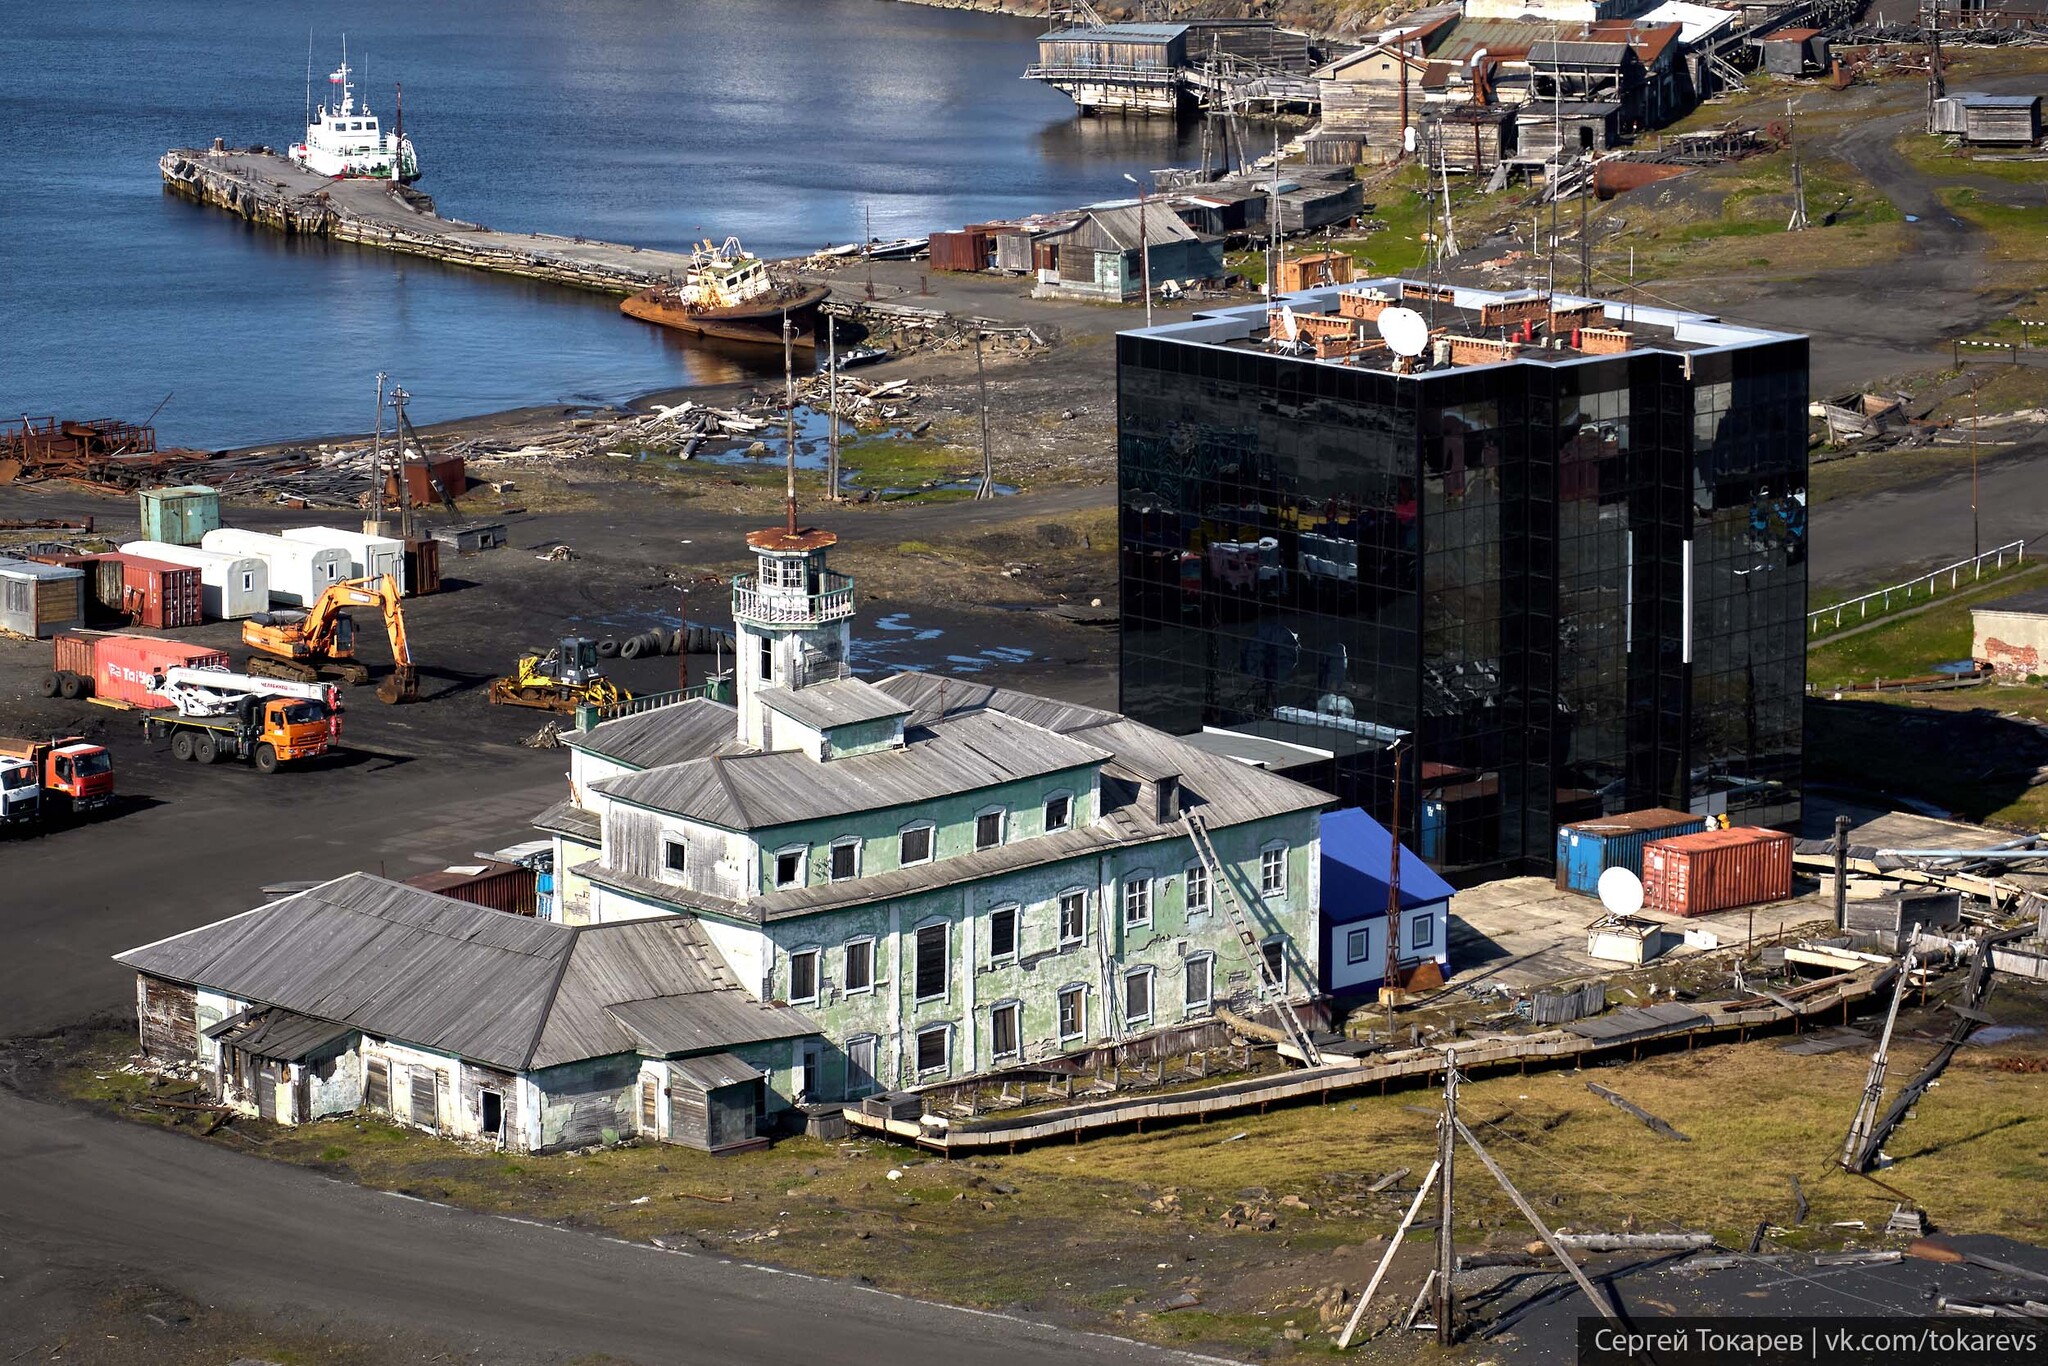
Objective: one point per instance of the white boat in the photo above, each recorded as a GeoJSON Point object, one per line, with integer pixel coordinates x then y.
{"type": "Point", "coordinates": [347, 143]}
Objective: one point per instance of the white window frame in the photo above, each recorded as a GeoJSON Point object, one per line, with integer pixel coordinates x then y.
{"type": "Point", "coordinates": [1279, 885]}
{"type": "Point", "coordinates": [1016, 1010]}
{"type": "Point", "coordinates": [1150, 977]}
{"type": "Point", "coordinates": [1016, 932]}
{"type": "Point", "coordinates": [780, 577]}
{"type": "Point", "coordinates": [803, 867]}
{"type": "Point", "coordinates": [1060, 912]}
{"type": "Point", "coordinates": [1079, 990]}
{"type": "Point", "coordinates": [1422, 932]}
{"type": "Point", "coordinates": [852, 842]}
{"type": "Point", "coordinates": [931, 844]}
{"type": "Point", "coordinates": [945, 957]}
{"type": "Point", "coordinates": [1137, 882]}
{"type": "Point", "coordinates": [1208, 1002]}
{"type": "Point", "coordinates": [856, 1089]}
{"type": "Point", "coordinates": [944, 1031]}
{"type": "Point", "coordinates": [679, 866]}
{"type": "Point", "coordinates": [1046, 808]}
{"type": "Point", "coordinates": [1002, 816]}
{"type": "Point", "coordinates": [846, 986]}
{"type": "Point", "coordinates": [1197, 873]}
{"type": "Point", "coordinates": [1363, 936]}
{"type": "Point", "coordinates": [817, 958]}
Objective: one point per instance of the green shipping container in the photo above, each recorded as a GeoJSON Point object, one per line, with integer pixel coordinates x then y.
{"type": "Point", "coordinates": [180, 515]}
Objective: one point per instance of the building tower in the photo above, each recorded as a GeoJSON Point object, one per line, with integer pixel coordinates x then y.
{"type": "Point", "coordinates": [791, 618]}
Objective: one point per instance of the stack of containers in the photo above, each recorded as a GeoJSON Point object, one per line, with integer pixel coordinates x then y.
{"type": "Point", "coordinates": [231, 586]}
{"type": "Point", "coordinates": [1717, 870]}
{"type": "Point", "coordinates": [299, 573]}
{"type": "Point", "coordinates": [368, 556]}
{"type": "Point", "coordinates": [1586, 849]}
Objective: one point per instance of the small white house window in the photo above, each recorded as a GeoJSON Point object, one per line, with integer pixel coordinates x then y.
{"type": "Point", "coordinates": [1003, 1033]}
{"type": "Point", "coordinates": [1273, 871]}
{"type": "Point", "coordinates": [931, 1049]}
{"type": "Point", "coordinates": [914, 845]}
{"type": "Point", "coordinates": [1357, 946]}
{"type": "Point", "coordinates": [1422, 932]}
{"type": "Point", "coordinates": [1002, 933]}
{"type": "Point", "coordinates": [803, 975]}
{"type": "Point", "coordinates": [988, 829]}
{"type": "Point", "coordinates": [845, 859]}
{"type": "Point", "coordinates": [1198, 889]}
{"type": "Point", "coordinates": [1198, 980]}
{"type": "Point", "coordinates": [1138, 995]}
{"type": "Point", "coordinates": [789, 866]}
{"type": "Point", "coordinates": [780, 572]}
{"type": "Point", "coordinates": [1073, 917]}
{"type": "Point", "coordinates": [1073, 1012]}
{"type": "Point", "coordinates": [675, 856]}
{"type": "Point", "coordinates": [1138, 899]}
{"type": "Point", "coordinates": [1059, 812]}
{"type": "Point", "coordinates": [859, 973]}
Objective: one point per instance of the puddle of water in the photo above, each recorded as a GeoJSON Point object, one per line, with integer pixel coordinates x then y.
{"type": "Point", "coordinates": [896, 635]}
{"type": "Point", "coordinates": [1995, 1034]}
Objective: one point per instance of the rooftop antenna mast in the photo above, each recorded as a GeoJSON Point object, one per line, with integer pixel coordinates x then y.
{"type": "Point", "coordinates": [1273, 247]}
{"type": "Point", "coordinates": [789, 429]}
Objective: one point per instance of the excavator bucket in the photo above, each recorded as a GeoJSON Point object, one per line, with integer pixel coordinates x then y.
{"type": "Point", "coordinates": [401, 685]}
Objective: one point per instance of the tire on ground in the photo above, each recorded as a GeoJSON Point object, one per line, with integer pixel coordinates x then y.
{"type": "Point", "coordinates": [48, 686]}
{"type": "Point", "coordinates": [608, 648]}
{"type": "Point", "coordinates": [631, 646]}
{"type": "Point", "coordinates": [70, 686]}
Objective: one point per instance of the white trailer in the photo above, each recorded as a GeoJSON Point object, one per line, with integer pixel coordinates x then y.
{"type": "Point", "coordinates": [231, 586]}
{"type": "Point", "coordinates": [369, 556]}
{"type": "Point", "coordinates": [299, 573]}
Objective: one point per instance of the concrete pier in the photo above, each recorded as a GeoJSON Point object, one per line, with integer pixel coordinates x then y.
{"type": "Point", "coordinates": [267, 189]}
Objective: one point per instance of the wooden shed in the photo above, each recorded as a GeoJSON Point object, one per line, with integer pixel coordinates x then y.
{"type": "Point", "coordinates": [713, 1102]}
{"type": "Point", "coordinates": [2008, 120]}
{"type": "Point", "coordinates": [40, 600]}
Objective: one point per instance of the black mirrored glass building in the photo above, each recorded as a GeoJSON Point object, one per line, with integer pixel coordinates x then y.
{"type": "Point", "coordinates": [1560, 556]}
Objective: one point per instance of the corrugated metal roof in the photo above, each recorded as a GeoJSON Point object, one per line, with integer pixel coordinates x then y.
{"type": "Point", "coordinates": [1503, 39]}
{"type": "Point", "coordinates": [1972, 99]}
{"type": "Point", "coordinates": [840, 702]}
{"type": "Point", "coordinates": [28, 569]}
{"type": "Point", "coordinates": [1357, 861]}
{"type": "Point", "coordinates": [405, 964]}
{"type": "Point", "coordinates": [1578, 53]}
{"type": "Point", "coordinates": [1121, 33]}
{"type": "Point", "coordinates": [690, 1024]}
{"type": "Point", "coordinates": [664, 735]}
{"type": "Point", "coordinates": [1121, 223]}
{"type": "Point", "coordinates": [963, 753]}
{"type": "Point", "coordinates": [712, 1072]}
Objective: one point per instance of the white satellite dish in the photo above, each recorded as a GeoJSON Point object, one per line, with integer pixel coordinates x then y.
{"type": "Point", "coordinates": [1621, 891]}
{"type": "Point", "coordinates": [1405, 331]}
{"type": "Point", "coordinates": [1291, 329]}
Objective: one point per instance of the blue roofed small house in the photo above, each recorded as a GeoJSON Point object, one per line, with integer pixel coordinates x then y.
{"type": "Point", "coordinates": [1357, 862]}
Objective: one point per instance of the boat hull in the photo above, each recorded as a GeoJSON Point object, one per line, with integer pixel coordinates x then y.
{"type": "Point", "coordinates": [750, 322]}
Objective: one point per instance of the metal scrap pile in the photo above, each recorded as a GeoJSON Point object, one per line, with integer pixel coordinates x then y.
{"type": "Point", "coordinates": [1912, 35]}
{"type": "Point", "coordinates": [98, 451]}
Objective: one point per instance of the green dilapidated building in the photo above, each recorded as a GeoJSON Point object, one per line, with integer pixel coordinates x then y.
{"type": "Point", "coordinates": [948, 878]}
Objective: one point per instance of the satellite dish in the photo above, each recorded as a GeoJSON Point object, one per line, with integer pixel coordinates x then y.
{"type": "Point", "coordinates": [1291, 329]}
{"type": "Point", "coordinates": [1405, 331]}
{"type": "Point", "coordinates": [1621, 891]}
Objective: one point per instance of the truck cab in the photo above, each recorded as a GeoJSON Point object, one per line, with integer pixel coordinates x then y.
{"type": "Point", "coordinates": [80, 773]}
{"type": "Point", "coordinates": [20, 793]}
{"type": "Point", "coordinates": [297, 728]}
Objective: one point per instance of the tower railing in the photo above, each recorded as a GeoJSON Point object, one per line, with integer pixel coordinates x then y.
{"type": "Point", "coordinates": [830, 600]}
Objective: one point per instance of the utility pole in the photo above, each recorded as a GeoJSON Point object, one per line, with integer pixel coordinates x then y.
{"type": "Point", "coordinates": [1798, 220]}
{"type": "Point", "coordinates": [988, 464]}
{"type": "Point", "coordinates": [1841, 872]}
{"type": "Point", "coordinates": [832, 404]}
{"type": "Point", "coordinates": [1586, 232]}
{"type": "Point", "coordinates": [398, 401]}
{"type": "Point", "coordinates": [1144, 247]}
{"type": "Point", "coordinates": [1446, 1249]}
{"type": "Point", "coordinates": [377, 464]}
{"type": "Point", "coordinates": [1937, 86]}
{"type": "Point", "coordinates": [1865, 1122]}
{"type": "Point", "coordinates": [1273, 225]}
{"type": "Point", "coordinates": [1976, 532]}
{"type": "Point", "coordinates": [1390, 981]}
{"type": "Point", "coordinates": [867, 249]}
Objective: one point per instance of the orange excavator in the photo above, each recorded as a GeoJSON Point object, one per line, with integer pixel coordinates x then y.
{"type": "Point", "coordinates": [302, 644]}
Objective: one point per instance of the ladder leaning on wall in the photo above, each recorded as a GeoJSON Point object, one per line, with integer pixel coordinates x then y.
{"type": "Point", "coordinates": [1272, 984]}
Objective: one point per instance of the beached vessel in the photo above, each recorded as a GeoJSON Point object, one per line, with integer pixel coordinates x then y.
{"type": "Point", "coordinates": [347, 143]}
{"type": "Point", "coordinates": [727, 293]}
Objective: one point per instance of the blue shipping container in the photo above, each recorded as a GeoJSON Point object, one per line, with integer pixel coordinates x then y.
{"type": "Point", "coordinates": [180, 515]}
{"type": "Point", "coordinates": [1587, 849]}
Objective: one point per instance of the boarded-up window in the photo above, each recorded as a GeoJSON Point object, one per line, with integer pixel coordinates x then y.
{"type": "Point", "coordinates": [931, 1049]}
{"type": "Point", "coordinates": [1002, 932]}
{"type": "Point", "coordinates": [914, 845]}
{"type": "Point", "coordinates": [803, 975]}
{"type": "Point", "coordinates": [860, 1066]}
{"type": "Point", "coordinates": [931, 962]}
{"type": "Point", "coordinates": [426, 1098]}
{"type": "Point", "coordinates": [650, 1106]}
{"type": "Point", "coordinates": [376, 1084]}
{"type": "Point", "coordinates": [860, 965]}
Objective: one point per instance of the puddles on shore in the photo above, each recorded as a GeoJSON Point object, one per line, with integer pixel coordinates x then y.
{"type": "Point", "coordinates": [766, 449]}
{"type": "Point", "coordinates": [894, 646]}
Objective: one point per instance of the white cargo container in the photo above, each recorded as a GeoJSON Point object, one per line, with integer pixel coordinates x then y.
{"type": "Point", "coordinates": [368, 556]}
{"type": "Point", "coordinates": [230, 586]}
{"type": "Point", "coordinates": [299, 573]}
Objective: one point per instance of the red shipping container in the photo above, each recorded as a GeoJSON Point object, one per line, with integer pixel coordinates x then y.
{"type": "Point", "coordinates": [1717, 870]}
{"type": "Point", "coordinates": [161, 595]}
{"type": "Point", "coordinates": [507, 887]}
{"type": "Point", "coordinates": [121, 666]}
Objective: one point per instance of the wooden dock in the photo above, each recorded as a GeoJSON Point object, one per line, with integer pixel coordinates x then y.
{"type": "Point", "coordinates": [1629, 1028]}
{"type": "Point", "coordinates": [269, 190]}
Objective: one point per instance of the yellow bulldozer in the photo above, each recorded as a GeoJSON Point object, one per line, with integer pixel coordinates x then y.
{"type": "Point", "coordinates": [561, 679]}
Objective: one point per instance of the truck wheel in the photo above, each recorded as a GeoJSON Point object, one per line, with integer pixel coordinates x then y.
{"type": "Point", "coordinates": [205, 749]}
{"type": "Point", "coordinates": [266, 758]}
{"type": "Point", "coordinates": [181, 746]}
{"type": "Point", "coordinates": [70, 686]}
{"type": "Point", "coordinates": [48, 687]}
